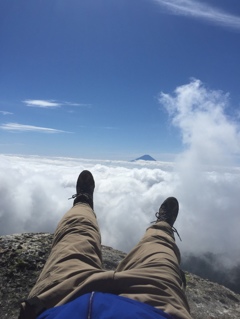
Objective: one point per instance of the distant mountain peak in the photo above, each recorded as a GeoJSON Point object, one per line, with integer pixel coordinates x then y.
{"type": "Point", "coordinates": [145, 158]}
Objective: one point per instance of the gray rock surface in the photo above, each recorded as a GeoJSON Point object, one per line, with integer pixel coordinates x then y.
{"type": "Point", "coordinates": [22, 257]}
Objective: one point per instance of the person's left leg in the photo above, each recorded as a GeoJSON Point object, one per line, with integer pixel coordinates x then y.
{"type": "Point", "coordinates": [150, 273]}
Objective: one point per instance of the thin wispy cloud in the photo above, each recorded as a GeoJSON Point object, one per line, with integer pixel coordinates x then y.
{"type": "Point", "coordinates": [5, 113]}
{"type": "Point", "coordinates": [99, 127]}
{"type": "Point", "coordinates": [77, 104]}
{"type": "Point", "coordinates": [29, 128]}
{"type": "Point", "coordinates": [42, 103]}
{"type": "Point", "coordinates": [52, 103]}
{"type": "Point", "coordinates": [203, 11]}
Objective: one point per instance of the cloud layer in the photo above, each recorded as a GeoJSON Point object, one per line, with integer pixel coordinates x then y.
{"type": "Point", "coordinates": [34, 196]}
{"type": "Point", "coordinates": [205, 178]}
{"type": "Point", "coordinates": [198, 10]}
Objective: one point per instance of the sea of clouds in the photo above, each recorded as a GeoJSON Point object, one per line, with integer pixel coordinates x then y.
{"type": "Point", "coordinates": [205, 178]}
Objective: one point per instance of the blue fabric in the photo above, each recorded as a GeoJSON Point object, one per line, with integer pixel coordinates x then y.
{"type": "Point", "coordinates": [104, 306]}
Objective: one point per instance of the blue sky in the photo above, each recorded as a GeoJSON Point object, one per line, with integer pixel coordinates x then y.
{"type": "Point", "coordinates": [84, 78]}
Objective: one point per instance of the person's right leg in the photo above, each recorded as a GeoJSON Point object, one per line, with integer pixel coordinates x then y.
{"type": "Point", "coordinates": [75, 255]}
{"type": "Point", "coordinates": [150, 273]}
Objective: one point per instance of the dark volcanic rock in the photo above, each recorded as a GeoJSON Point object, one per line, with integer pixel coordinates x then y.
{"type": "Point", "coordinates": [22, 257]}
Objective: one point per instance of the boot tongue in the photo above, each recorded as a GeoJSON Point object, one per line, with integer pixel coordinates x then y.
{"type": "Point", "coordinates": [84, 198]}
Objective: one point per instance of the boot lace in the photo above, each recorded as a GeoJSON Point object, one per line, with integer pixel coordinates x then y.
{"type": "Point", "coordinates": [163, 217]}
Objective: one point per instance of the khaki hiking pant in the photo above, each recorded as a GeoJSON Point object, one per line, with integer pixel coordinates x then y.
{"type": "Point", "coordinates": [150, 272]}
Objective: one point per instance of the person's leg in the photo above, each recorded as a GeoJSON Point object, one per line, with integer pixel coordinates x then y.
{"type": "Point", "coordinates": [75, 253]}
{"type": "Point", "coordinates": [150, 273]}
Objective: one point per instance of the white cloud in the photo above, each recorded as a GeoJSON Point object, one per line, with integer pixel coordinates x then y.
{"type": "Point", "coordinates": [29, 128]}
{"type": "Point", "coordinates": [52, 103]}
{"type": "Point", "coordinates": [199, 10]}
{"type": "Point", "coordinates": [42, 103]}
{"type": "Point", "coordinates": [6, 113]}
{"type": "Point", "coordinates": [208, 184]}
{"type": "Point", "coordinates": [199, 113]}
{"type": "Point", "coordinates": [34, 194]}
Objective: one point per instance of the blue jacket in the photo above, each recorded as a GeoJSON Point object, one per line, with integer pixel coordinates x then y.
{"type": "Point", "coordinates": [98, 305]}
